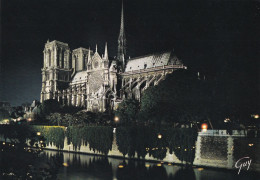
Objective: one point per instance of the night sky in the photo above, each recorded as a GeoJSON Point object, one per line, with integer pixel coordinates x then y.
{"type": "Point", "coordinates": [209, 36]}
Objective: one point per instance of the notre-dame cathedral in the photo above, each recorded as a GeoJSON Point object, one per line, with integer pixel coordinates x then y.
{"type": "Point", "coordinates": [82, 77]}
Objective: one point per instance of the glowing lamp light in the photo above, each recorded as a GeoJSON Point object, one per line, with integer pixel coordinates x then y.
{"type": "Point", "coordinates": [120, 166]}
{"type": "Point", "coordinates": [116, 119]}
{"type": "Point", "coordinates": [256, 116]}
{"type": "Point", "coordinates": [226, 120]}
{"type": "Point", "coordinates": [200, 169]}
{"type": "Point", "coordinates": [204, 127]}
{"type": "Point", "coordinates": [65, 164]}
{"type": "Point", "coordinates": [250, 145]}
{"type": "Point", "coordinates": [147, 165]}
{"type": "Point", "coordinates": [159, 164]}
{"type": "Point", "coordinates": [38, 133]}
{"type": "Point", "coordinates": [159, 136]}
{"type": "Point", "coordinates": [29, 119]}
{"type": "Point", "coordinates": [169, 164]}
{"type": "Point", "coordinates": [3, 143]}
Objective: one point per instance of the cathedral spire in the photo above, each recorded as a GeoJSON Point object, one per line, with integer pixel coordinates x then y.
{"type": "Point", "coordinates": [96, 47]}
{"type": "Point", "coordinates": [122, 19]}
{"type": "Point", "coordinates": [121, 51]}
{"type": "Point", "coordinates": [106, 53]}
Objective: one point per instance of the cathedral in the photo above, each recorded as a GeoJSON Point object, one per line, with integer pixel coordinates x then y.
{"type": "Point", "coordinates": [82, 77]}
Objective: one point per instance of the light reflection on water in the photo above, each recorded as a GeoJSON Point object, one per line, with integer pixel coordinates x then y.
{"type": "Point", "coordinates": [81, 167]}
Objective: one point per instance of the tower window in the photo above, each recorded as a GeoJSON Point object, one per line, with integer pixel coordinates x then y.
{"type": "Point", "coordinates": [96, 64]}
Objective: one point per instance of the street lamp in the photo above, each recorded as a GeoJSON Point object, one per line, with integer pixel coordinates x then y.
{"type": "Point", "coordinates": [38, 133]}
{"type": "Point", "coordinates": [204, 127]}
{"type": "Point", "coordinates": [159, 136]}
{"type": "Point", "coordinates": [116, 119]}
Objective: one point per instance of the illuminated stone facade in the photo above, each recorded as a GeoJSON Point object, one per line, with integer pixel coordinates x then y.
{"type": "Point", "coordinates": [84, 78]}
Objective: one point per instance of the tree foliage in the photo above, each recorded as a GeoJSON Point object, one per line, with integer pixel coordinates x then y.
{"type": "Point", "coordinates": [127, 111]}
{"type": "Point", "coordinates": [54, 135]}
{"type": "Point", "coordinates": [181, 97]}
{"type": "Point", "coordinates": [143, 140]}
{"type": "Point", "coordinates": [99, 138]}
{"type": "Point", "coordinates": [47, 107]}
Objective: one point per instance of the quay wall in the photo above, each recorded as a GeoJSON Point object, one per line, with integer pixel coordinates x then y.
{"type": "Point", "coordinates": [214, 148]}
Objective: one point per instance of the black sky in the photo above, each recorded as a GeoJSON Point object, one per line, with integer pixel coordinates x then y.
{"type": "Point", "coordinates": [209, 36]}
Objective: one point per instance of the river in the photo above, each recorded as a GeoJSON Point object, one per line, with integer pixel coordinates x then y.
{"type": "Point", "coordinates": [81, 167]}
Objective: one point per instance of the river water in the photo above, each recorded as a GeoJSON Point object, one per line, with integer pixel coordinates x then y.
{"type": "Point", "coordinates": [81, 167]}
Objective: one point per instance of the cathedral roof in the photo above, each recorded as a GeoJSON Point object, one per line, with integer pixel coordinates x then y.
{"type": "Point", "coordinates": [151, 61]}
{"type": "Point", "coordinates": [79, 76]}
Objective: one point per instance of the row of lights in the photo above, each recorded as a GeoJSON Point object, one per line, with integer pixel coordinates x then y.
{"type": "Point", "coordinates": [147, 165]}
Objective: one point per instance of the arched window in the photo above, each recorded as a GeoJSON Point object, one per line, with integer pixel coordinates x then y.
{"type": "Point", "coordinates": [49, 57]}
{"type": "Point", "coordinates": [58, 57]}
{"type": "Point", "coordinates": [62, 58]}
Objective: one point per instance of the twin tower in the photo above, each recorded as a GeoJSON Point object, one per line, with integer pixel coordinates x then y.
{"type": "Point", "coordinates": [82, 77]}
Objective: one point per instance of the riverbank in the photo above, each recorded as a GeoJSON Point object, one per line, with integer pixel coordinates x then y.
{"type": "Point", "coordinates": [215, 149]}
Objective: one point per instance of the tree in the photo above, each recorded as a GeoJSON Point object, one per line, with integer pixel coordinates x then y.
{"type": "Point", "coordinates": [55, 118]}
{"type": "Point", "coordinates": [180, 98]}
{"type": "Point", "coordinates": [17, 112]}
{"type": "Point", "coordinates": [127, 111]}
{"type": "Point", "coordinates": [47, 107]}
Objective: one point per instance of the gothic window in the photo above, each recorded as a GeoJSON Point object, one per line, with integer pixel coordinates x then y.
{"type": "Point", "coordinates": [62, 59]}
{"type": "Point", "coordinates": [58, 57]}
{"type": "Point", "coordinates": [145, 65]}
{"type": "Point", "coordinates": [84, 62]}
{"type": "Point", "coordinates": [49, 57]}
{"type": "Point", "coordinates": [76, 63]}
{"type": "Point", "coordinates": [96, 64]}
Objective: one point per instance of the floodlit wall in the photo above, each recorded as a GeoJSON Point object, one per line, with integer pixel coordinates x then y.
{"type": "Point", "coordinates": [214, 148]}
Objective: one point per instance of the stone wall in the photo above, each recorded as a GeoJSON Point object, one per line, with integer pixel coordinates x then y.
{"type": "Point", "coordinates": [213, 149]}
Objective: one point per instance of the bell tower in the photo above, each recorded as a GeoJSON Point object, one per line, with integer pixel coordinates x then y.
{"type": "Point", "coordinates": [56, 71]}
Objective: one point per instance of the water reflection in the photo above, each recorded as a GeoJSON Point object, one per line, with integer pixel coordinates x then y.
{"type": "Point", "coordinates": [81, 166]}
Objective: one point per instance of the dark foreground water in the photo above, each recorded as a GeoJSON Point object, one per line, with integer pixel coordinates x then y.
{"type": "Point", "coordinates": [80, 167]}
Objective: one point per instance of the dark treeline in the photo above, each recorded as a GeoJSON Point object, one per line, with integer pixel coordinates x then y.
{"type": "Point", "coordinates": [185, 97]}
